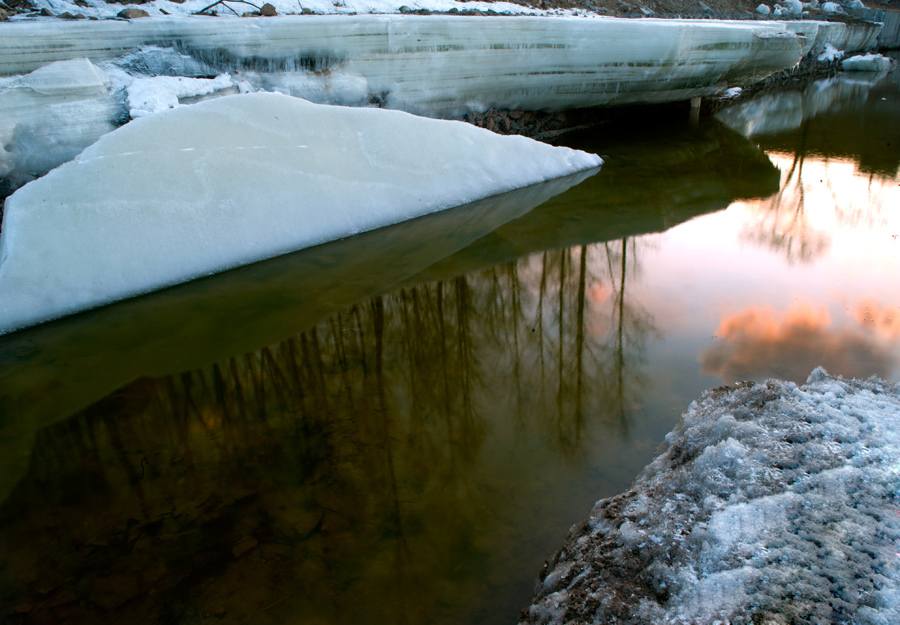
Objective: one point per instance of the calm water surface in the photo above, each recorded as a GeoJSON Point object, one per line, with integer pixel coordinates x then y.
{"type": "Point", "coordinates": [401, 427]}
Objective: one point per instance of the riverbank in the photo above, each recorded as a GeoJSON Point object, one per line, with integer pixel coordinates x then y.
{"type": "Point", "coordinates": [709, 9]}
{"type": "Point", "coordinates": [771, 502]}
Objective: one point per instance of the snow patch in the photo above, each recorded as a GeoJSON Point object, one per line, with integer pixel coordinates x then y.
{"type": "Point", "coordinates": [152, 95]}
{"type": "Point", "coordinates": [829, 53]}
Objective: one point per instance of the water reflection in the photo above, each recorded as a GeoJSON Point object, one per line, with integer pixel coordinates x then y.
{"type": "Point", "coordinates": [853, 115]}
{"type": "Point", "coordinates": [396, 428]}
{"type": "Point", "coordinates": [346, 462]}
{"type": "Point", "coordinates": [830, 124]}
{"type": "Point", "coordinates": [759, 342]}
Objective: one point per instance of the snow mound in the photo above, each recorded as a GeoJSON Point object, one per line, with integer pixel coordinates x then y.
{"type": "Point", "coordinates": [772, 503]}
{"type": "Point", "coordinates": [866, 63]}
{"type": "Point", "coordinates": [158, 93]}
{"type": "Point", "coordinates": [199, 189]}
{"type": "Point", "coordinates": [829, 53]}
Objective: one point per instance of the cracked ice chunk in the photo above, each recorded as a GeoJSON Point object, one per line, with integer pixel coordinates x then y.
{"type": "Point", "coordinates": [75, 76]}
{"type": "Point", "coordinates": [203, 188]}
{"type": "Point", "coordinates": [51, 114]}
{"type": "Point", "coordinates": [866, 63]}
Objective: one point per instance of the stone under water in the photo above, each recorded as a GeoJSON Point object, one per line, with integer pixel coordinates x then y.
{"type": "Point", "coordinates": [203, 188]}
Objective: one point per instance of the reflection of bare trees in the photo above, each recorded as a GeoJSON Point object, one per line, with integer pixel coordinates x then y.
{"type": "Point", "coordinates": [783, 223]}
{"type": "Point", "coordinates": [797, 227]}
{"type": "Point", "coordinates": [332, 453]}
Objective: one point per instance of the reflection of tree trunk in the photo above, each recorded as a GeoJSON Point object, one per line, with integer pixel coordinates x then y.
{"type": "Point", "coordinates": [540, 315]}
{"type": "Point", "coordinates": [267, 362]}
{"type": "Point", "coordinates": [259, 392]}
{"type": "Point", "coordinates": [238, 387]}
{"type": "Point", "coordinates": [516, 314]}
{"type": "Point", "coordinates": [337, 328]}
{"type": "Point", "coordinates": [563, 256]}
{"type": "Point", "coordinates": [385, 423]}
{"type": "Point", "coordinates": [579, 340]}
{"type": "Point", "coordinates": [465, 356]}
{"type": "Point", "coordinates": [115, 437]}
{"type": "Point", "coordinates": [620, 341]}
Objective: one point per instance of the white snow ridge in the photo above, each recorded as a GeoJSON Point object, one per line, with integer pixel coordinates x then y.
{"type": "Point", "coordinates": [199, 189]}
{"type": "Point", "coordinates": [772, 503]}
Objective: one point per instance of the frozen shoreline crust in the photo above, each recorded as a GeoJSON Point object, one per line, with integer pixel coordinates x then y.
{"type": "Point", "coordinates": [200, 189]}
{"type": "Point", "coordinates": [771, 503]}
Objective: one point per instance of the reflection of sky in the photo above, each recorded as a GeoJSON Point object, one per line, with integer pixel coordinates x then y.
{"type": "Point", "coordinates": [733, 292]}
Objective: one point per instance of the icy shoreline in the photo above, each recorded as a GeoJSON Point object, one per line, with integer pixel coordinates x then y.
{"type": "Point", "coordinates": [771, 503]}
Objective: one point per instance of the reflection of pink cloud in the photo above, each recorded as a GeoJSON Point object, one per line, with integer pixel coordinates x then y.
{"type": "Point", "coordinates": [599, 292]}
{"type": "Point", "coordinates": [598, 321]}
{"type": "Point", "coordinates": [759, 342]}
{"type": "Point", "coordinates": [884, 320]}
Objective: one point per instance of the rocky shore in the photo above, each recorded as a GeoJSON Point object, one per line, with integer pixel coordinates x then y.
{"type": "Point", "coordinates": [771, 503]}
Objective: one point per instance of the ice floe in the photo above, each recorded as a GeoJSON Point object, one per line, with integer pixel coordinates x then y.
{"type": "Point", "coordinates": [199, 189]}
{"type": "Point", "coordinates": [866, 63]}
{"type": "Point", "coordinates": [771, 503]}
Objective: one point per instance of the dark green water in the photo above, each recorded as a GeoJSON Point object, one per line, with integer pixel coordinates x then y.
{"type": "Point", "coordinates": [400, 427]}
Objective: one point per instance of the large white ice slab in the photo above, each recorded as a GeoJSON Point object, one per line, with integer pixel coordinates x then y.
{"type": "Point", "coordinates": [199, 189]}
{"type": "Point", "coordinates": [445, 65]}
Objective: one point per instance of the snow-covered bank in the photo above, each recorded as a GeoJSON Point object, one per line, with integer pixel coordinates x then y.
{"type": "Point", "coordinates": [771, 503]}
{"type": "Point", "coordinates": [199, 189]}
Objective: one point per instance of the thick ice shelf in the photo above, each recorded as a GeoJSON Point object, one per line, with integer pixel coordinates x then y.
{"type": "Point", "coordinates": [772, 503]}
{"type": "Point", "coordinates": [199, 189]}
{"type": "Point", "coordinates": [445, 65]}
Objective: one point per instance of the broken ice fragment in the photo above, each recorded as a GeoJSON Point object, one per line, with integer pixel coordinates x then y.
{"type": "Point", "coordinates": [866, 63]}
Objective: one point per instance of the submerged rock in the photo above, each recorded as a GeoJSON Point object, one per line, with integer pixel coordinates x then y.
{"type": "Point", "coordinates": [231, 181]}
{"type": "Point", "coordinates": [772, 503]}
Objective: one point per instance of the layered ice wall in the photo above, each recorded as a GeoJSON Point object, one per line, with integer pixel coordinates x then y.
{"type": "Point", "coordinates": [439, 66]}
{"type": "Point", "coordinates": [773, 503]}
{"type": "Point", "coordinates": [199, 189]}
{"type": "Point", "coordinates": [445, 65]}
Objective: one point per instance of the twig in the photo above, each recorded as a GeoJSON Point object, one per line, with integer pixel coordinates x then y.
{"type": "Point", "coordinates": [222, 2]}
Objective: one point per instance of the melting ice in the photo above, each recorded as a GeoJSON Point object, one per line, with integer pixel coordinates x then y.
{"type": "Point", "coordinates": [199, 189]}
